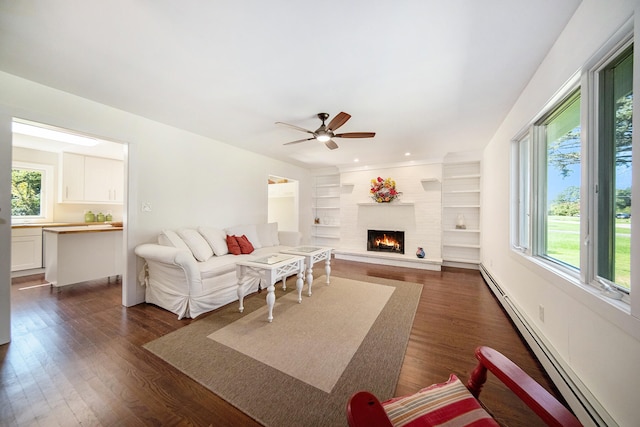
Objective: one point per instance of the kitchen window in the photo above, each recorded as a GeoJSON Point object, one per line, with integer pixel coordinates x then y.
{"type": "Point", "coordinates": [31, 192]}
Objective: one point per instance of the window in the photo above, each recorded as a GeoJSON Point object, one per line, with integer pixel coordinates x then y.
{"type": "Point", "coordinates": [559, 185]}
{"type": "Point", "coordinates": [520, 193]}
{"type": "Point", "coordinates": [31, 195]}
{"type": "Point", "coordinates": [614, 154]}
{"type": "Point", "coordinates": [571, 194]}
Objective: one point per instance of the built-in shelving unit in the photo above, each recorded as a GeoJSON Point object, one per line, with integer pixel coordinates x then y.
{"type": "Point", "coordinates": [326, 210]}
{"type": "Point", "coordinates": [461, 214]}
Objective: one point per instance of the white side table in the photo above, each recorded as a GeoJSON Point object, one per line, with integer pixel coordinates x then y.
{"type": "Point", "coordinates": [312, 255]}
{"type": "Point", "coordinates": [272, 268]}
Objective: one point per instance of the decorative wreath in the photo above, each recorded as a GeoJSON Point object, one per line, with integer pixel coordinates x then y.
{"type": "Point", "coordinates": [383, 190]}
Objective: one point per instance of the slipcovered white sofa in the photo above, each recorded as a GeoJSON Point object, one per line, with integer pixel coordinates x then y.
{"type": "Point", "coordinates": [190, 270]}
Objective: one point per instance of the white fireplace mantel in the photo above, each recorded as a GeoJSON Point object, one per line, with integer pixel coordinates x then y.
{"type": "Point", "coordinates": [386, 204]}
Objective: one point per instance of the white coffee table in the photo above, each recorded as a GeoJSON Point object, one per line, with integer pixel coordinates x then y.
{"type": "Point", "coordinates": [313, 254]}
{"type": "Point", "coordinates": [270, 268]}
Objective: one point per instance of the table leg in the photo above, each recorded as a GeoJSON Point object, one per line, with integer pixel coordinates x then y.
{"type": "Point", "coordinates": [271, 301]}
{"type": "Point", "coordinates": [327, 267]}
{"type": "Point", "coordinates": [240, 275]}
{"type": "Point", "coordinates": [300, 285]}
{"type": "Point", "coordinates": [310, 276]}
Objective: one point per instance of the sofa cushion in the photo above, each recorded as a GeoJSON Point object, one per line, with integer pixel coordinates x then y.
{"type": "Point", "coordinates": [275, 237]}
{"type": "Point", "coordinates": [268, 234]}
{"type": "Point", "coordinates": [245, 245]}
{"type": "Point", "coordinates": [219, 265]}
{"type": "Point", "coordinates": [199, 247]}
{"type": "Point", "coordinates": [171, 238]}
{"type": "Point", "coordinates": [216, 238]}
{"type": "Point", "coordinates": [232, 244]}
{"type": "Point", "coordinates": [248, 230]}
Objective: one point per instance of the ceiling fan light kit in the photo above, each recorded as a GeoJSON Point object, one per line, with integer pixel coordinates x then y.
{"type": "Point", "coordinates": [326, 133]}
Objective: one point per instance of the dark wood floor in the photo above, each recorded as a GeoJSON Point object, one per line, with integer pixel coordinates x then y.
{"type": "Point", "coordinates": [76, 356]}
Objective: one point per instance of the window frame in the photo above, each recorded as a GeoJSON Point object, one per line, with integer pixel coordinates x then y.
{"type": "Point", "coordinates": [47, 193]}
{"type": "Point", "coordinates": [586, 81]}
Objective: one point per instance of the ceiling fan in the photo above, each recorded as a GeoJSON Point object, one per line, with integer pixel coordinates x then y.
{"type": "Point", "coordinates": [326, 133]}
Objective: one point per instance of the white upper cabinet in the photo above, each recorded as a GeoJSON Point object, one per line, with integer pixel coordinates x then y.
{"type": "Point", "coordinates": [88, 179]}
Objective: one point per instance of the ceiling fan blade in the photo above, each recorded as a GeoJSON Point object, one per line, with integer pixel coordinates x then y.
{"type": "Point", "coordinates": [299, 140]}
{"type": "Point", "coordinates": [355, 135]}
{"type": "Point", "coordinates": [295, 127]}
{"type": "Point", "coordinates": [338, 121]}
{"type": "Point", "coordinates": [331, 145]}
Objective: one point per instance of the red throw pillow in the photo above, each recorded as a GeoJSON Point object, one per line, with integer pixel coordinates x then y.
{"type": "Point", "coordinates": [245, 245]}
{"type": "Point", "coordinates": [233, 245]}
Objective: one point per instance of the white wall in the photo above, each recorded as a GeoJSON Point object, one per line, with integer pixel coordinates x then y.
{"type": "Point", "coordinates": [595, 340]}
{"type": "Point", "coordinates": [188, 179]}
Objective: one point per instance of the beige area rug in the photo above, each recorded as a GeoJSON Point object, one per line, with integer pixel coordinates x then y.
{"type": "Point", "coordinates": [301, 369]}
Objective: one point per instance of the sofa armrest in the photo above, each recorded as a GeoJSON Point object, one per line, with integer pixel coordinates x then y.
{"type": "Point", "coordinates": [290, 238]}
{"type": "Point", "coordinates": [180, 258]}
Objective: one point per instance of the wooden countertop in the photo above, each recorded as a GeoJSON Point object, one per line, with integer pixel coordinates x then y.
{"type": "Point", "coordinates": [62, 224]}
{"type": "Point", "coordinates": [82, 229]}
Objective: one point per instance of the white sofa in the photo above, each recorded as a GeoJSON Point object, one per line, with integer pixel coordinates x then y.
{"type": "Point", "coordinates": [190, 270]}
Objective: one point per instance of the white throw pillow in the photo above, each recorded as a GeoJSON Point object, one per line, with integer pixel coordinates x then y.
{"type": "Point", "coordinates": [198, 245]}
{"type": "Point", "coordinates": [264, 234]}
{"type": "Point", "coordinates": [173, 239]}
{"type": "Point", "coordinates": [248, 230]}
{"type": "Point", "coordinates": [216, 238]}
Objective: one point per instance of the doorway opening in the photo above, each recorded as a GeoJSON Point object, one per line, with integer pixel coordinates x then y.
{"type": "Point", "coordinates": [283, 202]}
{"type": "Point", "coordinates": [80, 174]}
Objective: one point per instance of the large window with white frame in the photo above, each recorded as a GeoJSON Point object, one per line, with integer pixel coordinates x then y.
{"type": "Point", "coordinates": [571, 196]}
{"type": "Point", "coordinates": [31, 192]}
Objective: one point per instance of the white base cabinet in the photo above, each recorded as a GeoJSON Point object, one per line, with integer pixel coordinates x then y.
{"type": "Point", "coordinates": [73, 257]}
{"type": "Point", "coordinates": [26, 248]}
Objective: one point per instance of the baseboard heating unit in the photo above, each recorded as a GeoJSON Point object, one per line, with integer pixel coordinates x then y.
{"type": "Point", "coordinates": [582, 402]}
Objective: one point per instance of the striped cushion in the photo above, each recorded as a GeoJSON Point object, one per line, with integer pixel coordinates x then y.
{"type": "Point", "coordinates": [448, 404]}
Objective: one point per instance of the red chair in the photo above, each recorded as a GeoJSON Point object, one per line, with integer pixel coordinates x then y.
{"type": "Point", "coordinates": [454, 403]}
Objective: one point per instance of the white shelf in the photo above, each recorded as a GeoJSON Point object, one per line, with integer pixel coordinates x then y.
{"type": "Point", "coordinates": [326, 207]}
{"type": "Point", "coordinates": [461, 192]}
{"type": "Point", "coordinates": [325, 236]}
{"type": "Point", "coordinates": [430, 180]}
{"type": "Point", "coordinates": [459, 245]}
{"type": "Point", "coordinates": [464, 176]}
{"type": "Point", "coordinates": [463, 260]}
{"type": "Point", "coordinates": [386, 204]}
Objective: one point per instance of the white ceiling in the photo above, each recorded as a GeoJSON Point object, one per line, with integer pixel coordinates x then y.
{"type": "Point", "coordinates": [430, 77]}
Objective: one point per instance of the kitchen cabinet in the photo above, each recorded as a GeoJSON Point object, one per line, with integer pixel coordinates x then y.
{"type": "Point", "coordinates": [26, 248]}
{"type": "Point", "coordinates": [78, 254]}
{"type": "Point", "coordinates": [89, 179]}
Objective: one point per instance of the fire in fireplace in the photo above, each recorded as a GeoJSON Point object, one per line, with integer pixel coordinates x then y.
{"type": "Point", "coordinates": [385, 241]}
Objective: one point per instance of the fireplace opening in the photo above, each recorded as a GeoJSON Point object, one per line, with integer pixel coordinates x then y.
{"type": "Point", "coordinates": [385, 241]}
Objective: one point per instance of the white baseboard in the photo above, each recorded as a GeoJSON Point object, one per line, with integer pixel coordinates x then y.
{"type": "Point", "coordinates": [586, 407]}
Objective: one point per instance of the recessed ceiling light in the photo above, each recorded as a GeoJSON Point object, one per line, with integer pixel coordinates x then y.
{"type": "Point", "coordinates": [407, 154]}
{"type": "Point", "coordinates": [356, 160]}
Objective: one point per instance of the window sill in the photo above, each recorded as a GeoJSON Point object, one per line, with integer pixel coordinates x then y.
{"type": "Point", "coordinates": [618, 312]}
